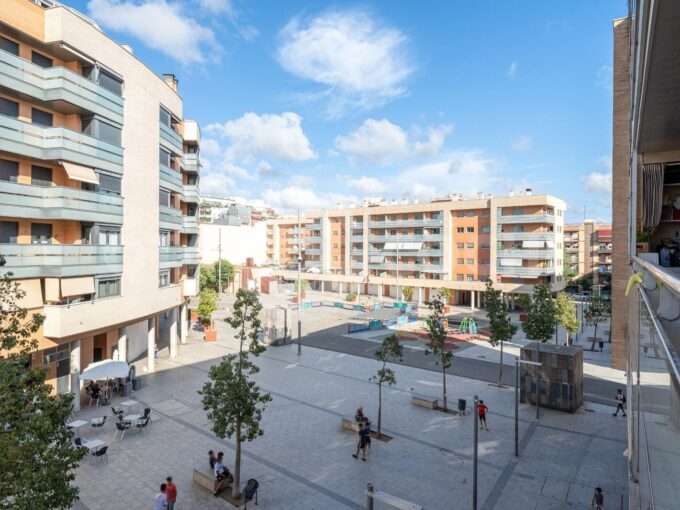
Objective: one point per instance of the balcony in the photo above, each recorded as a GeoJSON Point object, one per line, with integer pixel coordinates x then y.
{"type": "Point", "coordinates": [410, 253]}
{"type": "Point", "coordinates": [356, 265]}
{"type": "Point", "coordinates": [313, 226]}
{"type": "Point", "coordinates": [356, 239]}
{"type": "Point", "coordinates": [55, 143]}
{"type": "Point", "coordinates": [58, 84]}
{"type": "Point", "coordinates": [527, 254]}
{"type": "Point", "coordinates": [190, 224]}
{"type": "Point", "coordinates": [357, 224]}
{"type": "Point", "coordinates": [390, 238]}
{"type": "Point", "coordinates": [170, 218]}
{"type": "Point", "coordinates": [526, 218]}
{"type": "Point", "coordinates": [425, 222]}
{"type": "Point", "coordinates": [59, 203]}
{"type": "Point", "coordinates": [293, 240]}
{"type": "Point", "coordinates": [313, 263]}
{"type": "Point", "coordinates": [190, 193]}
{"type": "Point", "coordinates": [422, 268]}
{"type": "Point", "coordinates": [191, 255]}
{"type": "Point", "coordinates": [170, 256]}
{"type": "Point", "coordinates": [526, 272]}
{"type": "Point", "coordinates": [312, 240]}
{"type": "Point", "coordinates": [171, 178]}
{"type": "Point", "coordinates": [191, 162]}
{"type": "Point", "coordinates": [313, 251]}
{"type": "Point", "coordinates": [170, 140]}
{"type": "Point", "coordinates": [525, 236]}
{"type": "Point", "coordinates": [190, 287]}
{"type": "Point", "coordinates": [61, 260]}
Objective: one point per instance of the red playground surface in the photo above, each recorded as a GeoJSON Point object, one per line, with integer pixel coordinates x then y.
{"type": "Point", "coordinates": [453, 340]}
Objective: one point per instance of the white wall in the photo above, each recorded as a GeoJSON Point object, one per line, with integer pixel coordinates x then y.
{"type": "Point", "coordinates": [238, 243]}
{"type": "Point", "coordinates": [137, 338]}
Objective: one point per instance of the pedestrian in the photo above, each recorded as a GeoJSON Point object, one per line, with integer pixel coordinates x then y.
{"type": "Point", "coordinates": [170, 492]}
{"type": "Point", "coordinates": [481, 410]}
{"type": "Point", "coordinates": [161, 500]}
{"type": "Point", "coordinates": [620, 403]}
{"type": "Point", "coordinates": [598, 499]}
{"type": "Point", "coordinates": [155, 353]}
{"type": "Point", "coordinates": [361, 445]}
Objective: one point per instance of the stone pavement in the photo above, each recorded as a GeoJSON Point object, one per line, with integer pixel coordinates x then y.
{"type": "Point", "coordinates": [304, 461]}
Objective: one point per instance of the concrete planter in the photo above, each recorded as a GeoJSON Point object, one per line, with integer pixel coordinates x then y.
{"type": "Point", "coordinates": [194, 315]}
{"type": "Point", "coordinates": [209, 333]}
{"type": "Point", "coordinates": [295, 297]}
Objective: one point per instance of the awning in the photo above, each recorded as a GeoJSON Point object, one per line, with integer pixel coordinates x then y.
{"type": "Point", "coordinates": [533, 244]}
{"type": "Point", "coordinates": [33, 297]}
{"type": "Point", "coordinates": [511, 262]}
{"type": "Point", "coordinates": [52, 289]}
{"type": "Point", "coordinates": [80, 173]}
{"type": "Point", "coordinates": [403, 246]}
{"type": "Point", "coordinates": [390, 246]}
{"type": "Point", "coordinates": [77, 286]}
{"type": "Point", "coordinates": [550, 244]}
{"type": "Point", "coordinates": [106, 369]}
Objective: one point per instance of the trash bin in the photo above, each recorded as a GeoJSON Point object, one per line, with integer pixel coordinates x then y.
{"type": "Point", "coordinates": [461, 405]}
{"type": "Point", "coordinates": [126, 389]}
{"type": "Point", "coordinates": [136, 384]}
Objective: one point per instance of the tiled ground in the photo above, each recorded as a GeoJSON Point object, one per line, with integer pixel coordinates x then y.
{"type": "Point", "coordinates": [304, 459]}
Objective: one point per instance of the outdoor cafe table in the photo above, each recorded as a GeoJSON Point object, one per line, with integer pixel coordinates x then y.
{"type": "Point", "coordinates": [76, 425]}
{"type": "Point", "coordinates": [129, 404]}
{"type": "Point", "coordinates": [93, 444]}
{"type": "Point", "coordinates": [131, 418]}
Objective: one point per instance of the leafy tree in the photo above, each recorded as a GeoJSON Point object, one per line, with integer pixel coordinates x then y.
{"type": "Point", "coordinates": [208, 277]}
{"type": "Point", "coordinates": [595, 313]}
{"type": "Point", "coordinates": [437, 335]}
{"type": "Point", "coordinates": [38, 459]}
{"type": "Point", "coordinates": [565, 314]}
{"type": "Point", "coordinates": [540, 308]}
{"type": "Point", "coordinates": [227, 272]}
{"type": "Point", "coordinates": [234, 402]}
{"type": "Point", "coordinates": [304, 285]}
{"type": "Point", "coordinates": [568, 274]}
{"type": "Point", "coordinates": [501, 328]}
{"type": "Point", "coordinates": [207, 304]}
{"type": "Point", "coordinates": [389, 352]}
{"type": "Point", "coordinates": [445, 294]}
{"type": "Point", "coordinates": [407, 292]}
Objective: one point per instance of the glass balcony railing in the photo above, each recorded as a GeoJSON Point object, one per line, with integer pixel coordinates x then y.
{"type": "Point", "coordinates": [190, 224]}
{"type": "Point", "coordinates": [526, 218]}
{"type": "Point", "coordinates": [171, 178]}
{"type": "Point", "coordinates": [529, 272]}
{"type": "Point", "coordinates": [170, 218]}
{"type": "Point", "coordinates": [525, 236]}
{"type": "Point", "coordinates": [191, 162]}
{"type": "Point", "coordinates": [191, 193]}
{"type": "Point", "coordinates": [527, 254]}
{"type": "Point", "coordinates": [171, 140]}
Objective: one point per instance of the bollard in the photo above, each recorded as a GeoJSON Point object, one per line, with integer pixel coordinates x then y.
{"type": "Point", "coordinates": [369, 496]}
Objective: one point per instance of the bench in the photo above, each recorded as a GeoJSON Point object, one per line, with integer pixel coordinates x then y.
{"type": "Point", "coordinates": [423, 401]}
{"type": "Point", "coordinates": [206, 478]}
{"type": "Point", "coordinates": [350, 424]}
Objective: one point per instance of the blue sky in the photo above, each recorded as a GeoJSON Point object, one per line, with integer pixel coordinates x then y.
{"type": "Point", "coordinates": [316, 104]}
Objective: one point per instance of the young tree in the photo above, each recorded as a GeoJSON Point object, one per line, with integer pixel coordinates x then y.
{"type": "Point", "coordinates": [226, 272]}
{"type": "Point", "coordinates": [407, 292]}
{"type": "Point", "coordinates": [304, 285]}
{"type": "Point", "coordinates": [540, 322]}
{"type": "Point", "coordinates": [565, 314]}
{"type": "Point", "coordinates": [38, 459]}
{"type": "Point", "coordinates": [595, 313]}
{"type": "Point", "coordinates": [389, 352]}
{"type": "Point", "coordinates": [207, 304]}
{"type": "Point", "coordinates": [437, 335]}
{"type": "Point", "coordinates": [568, 274]}
{"type": "Point", "coordinates": [445, 294]}
{"type": "Point", "coordinates": [233, 401]}
{"type": "Point", "coordinates": [501, 328]}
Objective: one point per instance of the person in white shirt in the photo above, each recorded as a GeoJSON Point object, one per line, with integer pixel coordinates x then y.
{"type": "Point", "coordinates": [222, 474]}
{"type": "Point", "coordinates": [161, 500]}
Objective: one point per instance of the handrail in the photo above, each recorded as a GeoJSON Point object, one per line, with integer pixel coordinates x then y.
{"type": "Point", "coordinates": [666, 279]}
{"type": "Point", "coordinates": [672, 356]}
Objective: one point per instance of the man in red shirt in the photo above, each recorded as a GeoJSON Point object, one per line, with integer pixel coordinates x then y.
{"type": "Point", "coordinates": [481, 410]}
{"type": "Point", "coordinates": [171, 493]}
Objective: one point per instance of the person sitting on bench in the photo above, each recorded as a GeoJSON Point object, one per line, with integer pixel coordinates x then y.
{"type": "Point", "coordinates": [360, 418]}
{"type": "Point", "coordinates": [222, 475]}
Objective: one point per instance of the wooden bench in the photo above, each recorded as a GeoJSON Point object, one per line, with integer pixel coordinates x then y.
{"type": "Point", "coordinates": [206, 478]}
{"type": "Point", "coordinates": [350, 424]}
{"type": "Point", "coordinates": [423, 401]}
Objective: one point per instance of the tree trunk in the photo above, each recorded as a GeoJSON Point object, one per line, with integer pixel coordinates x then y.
{"type": "Point", "coordinates": [237, 463]}
{"type": "Point", "coordinates": [444, 382]}
{"type": "Point", "coordinates": [379, 408]}
{"type": "Point", "coordinates": [500, 367]}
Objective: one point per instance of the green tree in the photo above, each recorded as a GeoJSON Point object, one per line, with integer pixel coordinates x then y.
{"type": "Point", "coordinates": [38, 459]}
{"type": "Point", "coordinates": [568, 274]}
{"type": "Point", "coordinates": [390, 351]}
{"type": "Point", "coordinates": [540, 308]}
{"type": "Point", "coordinates": [208, 277]}
{"type": "Point", "coordinates": [407, 292]}
{"type": "Point", "coordinates": [437, 337]}
{"type": "Point", "coordinates": [595, 313]}
{"type": "Point", "coordinates": [445, 294]}
{"type": "Point", "coordinates": [565, 314]}
{"type": "Point", "coordinates": [233, 401]}
{"type": "Point", "coordinates": [207, 304]}
{"type": "Point", "coordinates": [227, 273]}
{"type": "Point", "coordinates": [304, 285]}
{"type": "Point", "coordinates": [501, 328]}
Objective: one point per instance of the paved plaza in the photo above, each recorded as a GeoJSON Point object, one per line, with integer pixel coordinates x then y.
{"type": "Point", "coordinates": [304, 461]}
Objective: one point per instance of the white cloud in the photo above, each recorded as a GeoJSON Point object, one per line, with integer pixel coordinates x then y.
{"type": "Point", "coordinates": [605, 162]}
{"type": "Point", "coordinates": [605, 77]}
{"type": "Point", "coordinates": [366, 184]}
{"type": "Point", "coordinates": [217, 6]}
{"type": "Point", "coordinates": [361, 63]}
{"type": "Point", "coordinates": [209, 147]}
{"type": "Point", "coordinates": [267, 171]}
{"type": "Point", "coordinates": [512, 70]}
{"type": "Point", "coordinates": [227, 7]}
{"type": "Point", "coordinates": [523, 143]}
{"type": "Point", "coordinates": [217, 184]}
{"type": "Point", "coordinates": [292, 197]}
{"type": "Point", "coordinates": [159, 24]}
{"type": "Point", "coordinates": [598, 182]}
{"type": "Point", "coordinates": [435, 140]}
{"type": "Point", "coordinates": [269, 135]}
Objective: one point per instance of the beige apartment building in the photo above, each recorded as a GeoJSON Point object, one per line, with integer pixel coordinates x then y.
{"type": "Point", "coordinates": [98, 190]}
{"type": "Point", "coordinates": [646, 238]}
{"type": "Point", "coordinates": [588, 248]}
{"type": "Point", "coordinates": [453, 243]}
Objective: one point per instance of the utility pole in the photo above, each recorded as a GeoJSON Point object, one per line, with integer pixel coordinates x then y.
{"type": "Point", "coordinates": [474, 472]}
{"type": "Point", "coordinates": [299, 282]}
{"type": "Point", "coordinates": [397, 278]}
{"type": "Point", "coordinates": [219, 260]}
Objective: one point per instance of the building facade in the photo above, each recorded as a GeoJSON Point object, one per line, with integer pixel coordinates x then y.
{"type": "Point", "coordinates": [646, 215]}
{"type": "Point", "coordinates": [453, 243]}
{"type": "Point", "coordinates": [98, 190]}
{"type": "Point", "coordinates": [588, 248]}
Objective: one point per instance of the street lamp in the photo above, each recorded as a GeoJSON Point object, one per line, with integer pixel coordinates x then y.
{"type": "Point", "coordinates": [285, 322]}
{"type": "Point", "coordinates": [474, 462]}
{"type": "Point", "coordinates": [519, 362]}
{"type": "Point", "coordinates": [299, 282]}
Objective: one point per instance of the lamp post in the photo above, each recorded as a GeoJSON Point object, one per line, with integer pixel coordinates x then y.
{"type": "Point", "coordinates": [474, 462]}
{"type": "Point", "coordinates": [299, 282]}
{"type": "Point", "coordinates": [519, 362]}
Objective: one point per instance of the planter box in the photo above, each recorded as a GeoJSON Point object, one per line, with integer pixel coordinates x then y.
{"type": "Point", "coordinates": [295, 297]}
{"type": "Point", "coordinates": [447, 309]}
{"type": "Point", "coordinates": [194, 315]}
{"type": "Point", "coordinates": [209, 333]}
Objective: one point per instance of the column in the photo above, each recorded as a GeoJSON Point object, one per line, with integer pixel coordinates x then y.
{"type": "Point", "coordinates": [472, 300]}
{"type": "Point", "coordinates": [340, 285]}
{"type": "Point", "coordinates": [322, 286]}
{"type": "Point", "coordinates": [122, 344]}
{"type": "Point", "coordinates": [420, 295]}
{"type": "Point", "coordinates": [358, 289]}
{"type": "Point", "coordinates": [75, 374]}
{"type": "Point", "coordinates": [183, 323]}
{"type": "Point", "coordinates": [380, 289]}
{"type": "Point", "coordinates": [173, 333]}
{"type": "Point", "coordinates": [150, 343]}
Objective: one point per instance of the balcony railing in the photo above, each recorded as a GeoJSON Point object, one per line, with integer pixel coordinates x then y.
{"type": "Point", "coordinates": [313, 251]}
{"type": "Point", "coordinates": [171, 178]}
{"type": "Point", "coordinates": [58, 143]}
{"type": "Point", "coordinates": [525, 236]}
{"type": "Point", "coordinates": [423, 268]}
{"type": "Point", "coordinates": [171, 140]}
{"type": "Point", "coordinates": [191, 193]}
{"type": "Point", "coordinates": [425, 222]}
{"type": "Point", "coordinates": [411, 253]}
{"type": "Point", "coordinates": [33, 260]}
{"type": "Point", "coordinates": [190, 224]}
{"type": "Point", "coordinates": [170, 218]}
{"type": "Point", "coordinates": [312, 240]}
{"type": "Point", "coordinates": [391, 238]}
{"type": "Point", "coordinates": [313, 226]}
{"type": "Point", "coordinates": [191, 162]}
{"type": "Point", "coordinates": [170, 256]}
{"type": "Point", "coordinates": [191, 255]}
{"type": "Point", "coordinates": [56, 202]}
{"type": "Point", "coordinates": [58, 84]}
{"type": "Point", "coordinates": [532, 272]}
{"type": "Point", "coordinates": [527, 254]}
{"type": "Point", "coordinates": [356, 239]}
{"type": "Point", "coordinates": [356, 265]}
{"type": "Point", "coordinates": [526, 218]}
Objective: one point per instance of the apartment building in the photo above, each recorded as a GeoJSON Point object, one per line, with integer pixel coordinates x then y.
{"type": "Point", "coordinates": [588, 248]}
{"type": "Point", "coordinates": [98, 190]}
{"type": "Point", "coordinates": [453, 243]}
{"type": "Point", "coordinates": [646, 214]}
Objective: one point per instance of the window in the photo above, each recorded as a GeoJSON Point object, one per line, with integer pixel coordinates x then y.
{"type": "Point", "coordinates": [9, 46]}
{"type": "Point", "coordinates": [404, 231]}
{"type": "Point", "coordinates": [109, 183]}
{"type": "Point", "coordinates": [418, 231]}
{"type": "Point", "coordinates": [86, 233]}
{"type": "Point", "coordinates": [109, 235]}
{"type": "Point", "coordinates": [164, 278]}
{"type": "Point", "coordinates": [470, 277]}
{"type": "Point", "coordinates": [486, 230]}
{"type": "Point", "coordinates": [164, 197]}
{"type": "Point", "coordinates": [110, 82]}
{"type": "Point", "coordinates": [164, 156]}
{"type": "Point", "coordinates": [517, 228]}
{"type": "Point", "coordinates": [41, 176]}
{"type": "Point", "coordinates": [9, 170]}
{"type": "Point", "coordinates": [9, 232]}
{"type": "Point", "coordinates": [165, 117]}
{"type": "Point", "coordinates": [419, 216]}
{"type": "Point", "coordinates": [41, 60]}
{"type": "Point", "coordinates": [96, 128]}
{"type": "Point", "coordinates": [335, 258]}
{"type": "Point", "coordinates": [559, 246]}
{"type": "Point", "coordinates": [41, 233]}
{"type": "Point", "coordinates": [336, 245]}
{"type": "Point", "coordinates": [470, 261]}
{"type": "Point", "coordinates": [471, 229]}
{"type": "Point", "coordinates": [108, 287]}
{"type": "Point", "coordinates": [9, 108]}
{"type": "Point", "coordinates": [486, 213]}
{"type": "Point", "coordinates": [470, 214]}
{"type": "Point", "coordinates": [485, 262]}
{"type": "Point", "coordinates": [461, 214]}
{"type": "Point", "coordinates": [484, 246]}
{"type": "Point", "coordinates": [460, 230]}
{"type": "Point", "coordinates": [41, 118]}
{"type": "Point", "coordinates": [470, 245]}
{"type": "Point", "coordinates": [164, 238]}
{"type": "Point", "coordinates": [460, 261]}
{"type": "Point", "coordinates": [55, 354]}
{"type": "Point", "coordinates": [516, 211]}
{"type": "Point", "coordinates": [393, 232]}
{"type": "Point", "coordinates": [460, 246]}
{"type": "Point", "coordinates": [459, 277]}
{"type": "Point", "coordinates": [335, 232]}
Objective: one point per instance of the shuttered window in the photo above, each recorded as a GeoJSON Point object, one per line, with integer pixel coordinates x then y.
{"type": "Point", "coordinates": [9, 46]}
{"type": "Point", "coordinates": [164, 197]}
{"type": "Point", "coordinates": [9, 170]}
{"type": "Point", "coordinates": [9, 108]}
{"type": "Point", "coordinates": [9, 232]}
{"type": "Point", "coordinates": [41, 117]}
{"type": "Point", "coordinates": [41, 176]}
{"type": "Point", "coordinates": [109, 183]}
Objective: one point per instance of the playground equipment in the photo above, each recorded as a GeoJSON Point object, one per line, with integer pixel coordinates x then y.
{"type": "Point", "coordinates": [468, 325]}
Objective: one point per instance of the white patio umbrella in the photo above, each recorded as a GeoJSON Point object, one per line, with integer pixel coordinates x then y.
{"type": "Point", "coordinates": [106, 369]}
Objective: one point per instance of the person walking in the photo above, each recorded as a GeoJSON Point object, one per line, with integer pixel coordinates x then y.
{"type": "Point", "coordinates": [482, 410]}
{"type": "Point", "coordinates": [155, 353]}
{"type": "Point", "coordinates": [361, 445]}
{"type": "Point", "coordinates": [160, 501]}
{"type": "Point", "coordinates": [597, 501]}
{"type": "Point", "coordinates": [620, 403]}
{"type": "Point", "coordinates": [171, 493]}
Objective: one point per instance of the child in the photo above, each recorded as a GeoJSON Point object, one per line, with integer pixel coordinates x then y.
{"type": "Point", "coordinates": [482, 409]}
